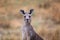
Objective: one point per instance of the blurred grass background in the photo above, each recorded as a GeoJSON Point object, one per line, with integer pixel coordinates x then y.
{"type": "Point", "coordinates": [45, 18]}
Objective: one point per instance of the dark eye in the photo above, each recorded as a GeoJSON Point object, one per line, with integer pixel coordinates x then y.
{"type": "Point", "coordinates": [24, 16]}
{"type": "Point", "coordinates": [29, 16]}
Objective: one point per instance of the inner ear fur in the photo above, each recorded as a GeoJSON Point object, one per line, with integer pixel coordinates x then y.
{"type": "Point", "coordinates": [22, 11]}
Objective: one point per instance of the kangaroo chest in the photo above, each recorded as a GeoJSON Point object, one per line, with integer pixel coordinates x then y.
{"type": "Point", "coordinates": [29, 30]}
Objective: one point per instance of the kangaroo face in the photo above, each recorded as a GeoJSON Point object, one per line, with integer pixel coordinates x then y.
{"type": "Point", "coordinates": [27, 16]}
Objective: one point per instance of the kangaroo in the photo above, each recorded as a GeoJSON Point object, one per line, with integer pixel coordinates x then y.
{"type": "Point", "coordinates": [28, 32]}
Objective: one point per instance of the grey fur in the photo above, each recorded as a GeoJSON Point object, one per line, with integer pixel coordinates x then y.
{"type": "Point", "coordinates": [28, 32]}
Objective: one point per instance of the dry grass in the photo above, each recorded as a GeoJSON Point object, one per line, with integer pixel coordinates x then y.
{"type": "Point", "coordinates": [45, 18]}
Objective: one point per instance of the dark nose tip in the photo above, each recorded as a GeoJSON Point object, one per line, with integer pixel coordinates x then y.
{"type": "Point", "coordinates": [27, 19]}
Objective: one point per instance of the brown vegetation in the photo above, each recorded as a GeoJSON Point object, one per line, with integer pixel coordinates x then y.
{"type": "Point", "coordinates": [45, 18]}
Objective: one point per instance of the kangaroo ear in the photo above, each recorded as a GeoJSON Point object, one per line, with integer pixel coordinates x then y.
{"type": "Point", "coordinates": [22, 11]}
{"type": "Point", "coordinates": [31, 10]}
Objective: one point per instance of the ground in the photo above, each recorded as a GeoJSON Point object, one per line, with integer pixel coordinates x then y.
{"type": "Point", "coordinates": [45, 18]}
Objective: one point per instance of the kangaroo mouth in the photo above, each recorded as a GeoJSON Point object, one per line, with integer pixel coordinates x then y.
{"type": "Point", "coordinates": [27, 20]}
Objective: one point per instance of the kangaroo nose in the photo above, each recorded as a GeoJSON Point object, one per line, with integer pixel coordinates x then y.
{"type": "Point", "coordinates": [27, 19]}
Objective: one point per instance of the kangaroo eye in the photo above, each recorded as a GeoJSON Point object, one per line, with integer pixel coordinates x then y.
{"type": "Point", "coordinates": [29, 16]}
{"type": "Point", "coordinates": [24, 16]}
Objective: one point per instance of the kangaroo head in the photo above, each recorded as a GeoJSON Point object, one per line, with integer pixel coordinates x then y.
{"type": "Point", "coordinates": [27, 15]}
